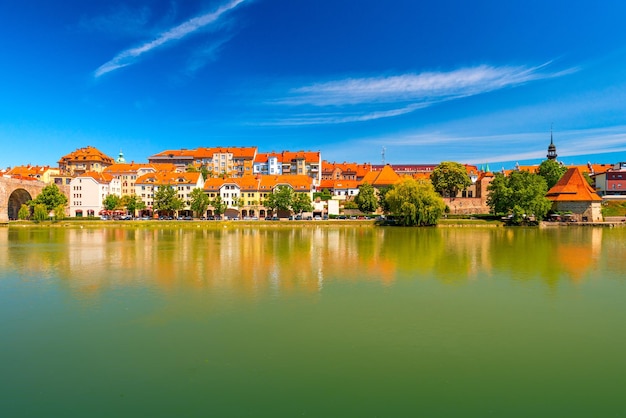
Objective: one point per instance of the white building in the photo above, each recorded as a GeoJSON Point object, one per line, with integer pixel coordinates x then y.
{"type": "Point", "coordinates": [87, 192]}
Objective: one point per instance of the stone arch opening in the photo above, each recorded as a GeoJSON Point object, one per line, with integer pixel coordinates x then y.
{"type": "Point", "coordinates": [16, 200]}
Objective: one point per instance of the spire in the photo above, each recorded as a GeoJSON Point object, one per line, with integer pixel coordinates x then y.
{"type": "Point", "coordinates": [551, 148]}
{"type": "Point", "coordinates": [120, 159]}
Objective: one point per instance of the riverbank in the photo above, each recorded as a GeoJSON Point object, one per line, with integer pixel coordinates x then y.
{"type": "Point", "coordinates": [359, 223]}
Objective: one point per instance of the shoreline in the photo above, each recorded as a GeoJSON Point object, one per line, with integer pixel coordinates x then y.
{"type": "Point", "coordinates": [444, 223]}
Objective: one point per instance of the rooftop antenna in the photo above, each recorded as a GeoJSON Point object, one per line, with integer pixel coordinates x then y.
{"type": "Point", "coordinates": [383, 154]}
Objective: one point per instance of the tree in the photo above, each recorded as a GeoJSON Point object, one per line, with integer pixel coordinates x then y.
{"type": "Point", "coordinates": [199, 202]}
{"type": "Point", "coordinates": [281, 199]}
{"type": "Point", "coordinates": [206, 173]}
{"type": "Point", "coordinates": [24, 212]}
{"type": "Point", "coordinates": [323, 195]}
{"type": "Point", "coordinates": [366, 199]}
{"type": "Point", "coordinates": [415, 202]}
{"type": "Point", "coordinates": [382, 198]}
{"type": "Point", "coordinates": [166, 200]}
{"type": "Point", "coordinates": [521, 194]}
{"type": "Point", "coordinates": [552, 171]}
{"type": "Point", "coordinates": [111, 202]}
{"type": "Point", "coordinates": [301, 203]}
{"type": "Point", "coordinates": [137, 203]}
{"type": "Point", "coordinates": [449, 177]}
{"type": "Point", "coordinates": [219, 207]}
{"type": "Point", "coordinates": [132, 203]}
{"type": "Point", "coordinates": [51, 197]}
{"type": "Point", "coordinates": [40, 213]}
{"type": "Point", "coordinates": [59, 212]}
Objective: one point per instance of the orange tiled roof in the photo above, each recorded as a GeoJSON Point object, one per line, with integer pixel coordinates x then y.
{"type": "Point", "coordinates": [308, 156]}
{"type": "Point", "coordinates": [384, 177]}
{"type": "Point", "coordinates": [175, 153]}
{"type": "Point", "coordinates": [169, 177]}
{"type": "Point", "coordinates": [248, 183]}
{"type": "Point", "coordinates": [28, 170]}
{"type": "Point", "coordinates": [128, 167]}
{"type": "Point", "coordinates": [529, 168]}
{"type": "Point", "coordinates": [360, 170]}
{"type": "Point", "coordinates": [133, 167]}
{"type": "Point", "coordinates": [263, 156]}
{"type": "Point", "coordinates": [326, 184]}
{"type": "Point", "coordinates": [87, 153]}
{"type": "Point", "coordinates": [421, 176]}
{"type": "Point", "coordinates": [299, 183]}
{"type": "Point", "coordinates": [98, 177]}
{"type": "Point", "coordinates": [572, 187]}
{"type": "Point", "coordinates": [593, 168]}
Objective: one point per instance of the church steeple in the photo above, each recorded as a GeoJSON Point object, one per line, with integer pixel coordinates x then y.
{"type": "Point", "coordinates": [120, 159]}
{"type": "Point", "coordinates": [551, 148]}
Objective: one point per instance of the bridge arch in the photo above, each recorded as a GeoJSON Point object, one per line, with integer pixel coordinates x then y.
{"type": "Point", "coordinates": [14, 193]}
{"type": "Point", "coordinates": [16, 200]}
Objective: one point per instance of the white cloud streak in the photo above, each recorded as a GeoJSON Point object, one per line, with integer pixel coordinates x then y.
{"type": "Point", "coordinates": [501, 148]}
{"type": "Point", "coordinates": [413, 91]}
{"type": "Point", "coordinates": [130, 56]}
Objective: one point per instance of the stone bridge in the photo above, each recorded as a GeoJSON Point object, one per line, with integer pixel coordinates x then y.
{"type": "Point", "coordinates": [14, 193]}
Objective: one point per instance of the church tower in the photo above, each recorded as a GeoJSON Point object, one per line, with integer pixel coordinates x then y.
{"type": "Point", "coordinates": [551, 148]}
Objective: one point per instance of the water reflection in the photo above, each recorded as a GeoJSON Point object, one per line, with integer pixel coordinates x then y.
{"type": "Point", "coordinates": [282, 260]}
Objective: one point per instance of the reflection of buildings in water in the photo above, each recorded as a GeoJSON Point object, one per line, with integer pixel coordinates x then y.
{"type": "Point", "coordinates": [4, 243]}
{"type": "Point", "coordinates": [281, 260]}
{"type": "Point", "coordinates": [579, 254]}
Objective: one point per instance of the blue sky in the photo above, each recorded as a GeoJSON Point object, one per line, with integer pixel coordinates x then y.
{"type": "Point", "coordinates": [428, 81]}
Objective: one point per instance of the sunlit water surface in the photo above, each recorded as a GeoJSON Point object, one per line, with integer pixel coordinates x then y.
{"type": "Point", "coordinates": [312, 321]}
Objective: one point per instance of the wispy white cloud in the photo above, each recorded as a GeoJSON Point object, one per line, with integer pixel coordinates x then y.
{"type": "Point", "coordinates": [130, 56]}
{"type": "Point", "coordinates": [336, 118]}
{"type": "Point", "coordinates": [380, 97]}
{"type": "Point", "coordinates": [478, 148]}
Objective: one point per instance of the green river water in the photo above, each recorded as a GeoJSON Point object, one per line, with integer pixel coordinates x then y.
{"type": "Point", "coordinates": [313, 321]}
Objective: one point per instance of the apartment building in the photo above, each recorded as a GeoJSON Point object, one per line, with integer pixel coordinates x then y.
{"type": "Point", "coordinates": [220, 161]}
{"type": "Point", "coordinates": [183, 182]}
{"type": "Point", "coordinates": [128, 173]}
{"type": "Point", "coordinates": [87, 193]}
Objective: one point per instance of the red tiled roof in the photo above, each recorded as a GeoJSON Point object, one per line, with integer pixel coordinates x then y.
{"type": "Point", "coordinates": [263, 156]}
{"type": "Point", "coordinates": [169, 177]}
{"type": "Point", "coordinates": [384, 177]}
{"type": "Point", "coordinates": [98, 177]}
{"type": "Point", "coordinates": [87, 153]}
{"type": "Point", "coordinates": [308, 156]}
{"type": "Point", "coordinates": [572, 187]}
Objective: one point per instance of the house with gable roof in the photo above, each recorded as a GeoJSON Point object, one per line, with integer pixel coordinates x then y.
{"type": "Point", "coordinates": [573, 194]}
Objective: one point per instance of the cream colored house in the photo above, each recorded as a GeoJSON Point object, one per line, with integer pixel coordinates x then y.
{"type": "Point", "coordinates": [87, 192]}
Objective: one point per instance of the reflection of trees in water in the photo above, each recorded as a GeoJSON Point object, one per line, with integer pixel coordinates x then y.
{"type": "Point", "coordinates": [304, 259]}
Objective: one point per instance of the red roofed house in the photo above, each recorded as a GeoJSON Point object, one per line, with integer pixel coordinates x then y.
{"type": "Point", "coordinates": [84, 160]}
{"type": "Point", "coordinates": [612, 182]}
{"type": "Point", "coordinates": [573, 194]}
